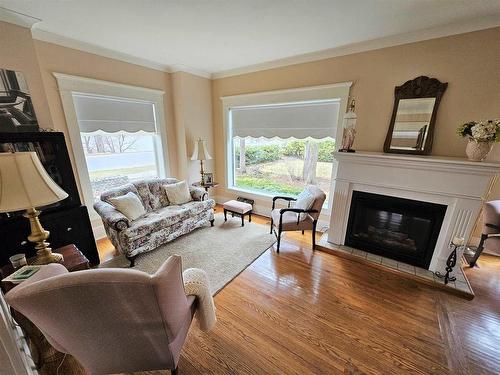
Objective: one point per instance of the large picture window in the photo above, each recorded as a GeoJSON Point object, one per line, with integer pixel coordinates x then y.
{"type": "Point", "coordinates": [282, 147]}
{"type": "Point", "coordinates": [282, 166]}
{"type": "Point", "coordinates": [119, 140]}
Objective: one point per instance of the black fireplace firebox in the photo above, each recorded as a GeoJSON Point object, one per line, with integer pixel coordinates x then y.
{"type": "Point", "coordinates": [402, 229]}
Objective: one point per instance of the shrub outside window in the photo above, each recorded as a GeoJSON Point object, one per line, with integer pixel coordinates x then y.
{"type": "Point", "coordinates": [282, 166]}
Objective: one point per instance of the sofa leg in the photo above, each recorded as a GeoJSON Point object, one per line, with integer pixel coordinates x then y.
{"type": "Point", "coordinates": [225, 214]}
{"type": "Point", "coordinates": [302, 231]}
{"type": "Point", "coordinates": [132, 261]}
{"type": "Point", "coordinates": [242, 220]}
{"type": "Point", "coordinates": [250, 217]}
{"type": "Point", "coordinates": [175, 371]}
{"type": "Point", "coordinates": [212, 222]}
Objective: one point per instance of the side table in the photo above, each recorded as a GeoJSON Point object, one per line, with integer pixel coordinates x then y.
{"type": "Point", "coordinates": [45, 357]}
{"type": "Point", "coordinates": [206, 186]}
{"type": "Point", "coordinates": [74, 260]}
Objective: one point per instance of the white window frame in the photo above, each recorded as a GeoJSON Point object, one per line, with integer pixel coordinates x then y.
{"type": "Point", "coordinates": [69, 85]}
{"type": "Point", "coordinates": [337, 91]}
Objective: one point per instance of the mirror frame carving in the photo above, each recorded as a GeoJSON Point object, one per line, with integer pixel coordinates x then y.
{"type": "Point", "coordinates": [420, 87]}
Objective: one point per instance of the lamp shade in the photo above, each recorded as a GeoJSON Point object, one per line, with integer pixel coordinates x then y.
{"type": "Point", "coordinates": [24, 183]}
{"type": "Point", "coordinates": [200, 151]}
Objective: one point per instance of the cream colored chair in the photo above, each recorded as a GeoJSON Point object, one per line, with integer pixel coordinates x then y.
{"type": "Point", "coordinates": [110, 320]}
{"type": "Point", "coordinates": [290, 219]}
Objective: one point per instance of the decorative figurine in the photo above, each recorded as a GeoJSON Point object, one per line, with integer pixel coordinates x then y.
{"type": "Point", "coordinates": [349, 126]}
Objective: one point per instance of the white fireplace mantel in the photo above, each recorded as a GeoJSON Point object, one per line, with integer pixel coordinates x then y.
{"type": "Point", "coordinates": [458, 183]}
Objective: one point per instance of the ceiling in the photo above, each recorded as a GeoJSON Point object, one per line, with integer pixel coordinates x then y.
{"type": "Point", "coordinates": [225, 35]}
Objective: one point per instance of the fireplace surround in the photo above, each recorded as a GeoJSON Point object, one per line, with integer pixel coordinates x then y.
{"type": "Point", "coordinates": [456, 185]}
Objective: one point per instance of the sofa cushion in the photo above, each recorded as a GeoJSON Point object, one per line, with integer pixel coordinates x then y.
{"type": "Point", "coordinates": [178, 193]}
{"type": "Point", "coordinates": [154, 221]}
{"type": "Point", "coordinates": [157, 190]}
{"type": "Point", "coordinates": [165, 217]}
{"type": "Point", "coordinates": [118, 191]}
{"type": "Point", "coordinates": [129, 204]}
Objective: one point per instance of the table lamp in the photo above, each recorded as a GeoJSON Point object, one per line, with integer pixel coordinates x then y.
{"type": "Point", "coordinates": [200, 153]}
{"type": "Point", "coordinates": [25, 185]}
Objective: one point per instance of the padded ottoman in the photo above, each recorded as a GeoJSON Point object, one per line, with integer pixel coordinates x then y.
{"type": "Point", "coordinates": [238, 208]}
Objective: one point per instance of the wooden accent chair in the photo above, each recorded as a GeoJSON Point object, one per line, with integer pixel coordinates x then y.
{"type": "Point", "coordinates": [491, 230]}
{"type": "Point", "coordinates": [110, 320]}
{"type": "Point", "coordinates": [290, 219]}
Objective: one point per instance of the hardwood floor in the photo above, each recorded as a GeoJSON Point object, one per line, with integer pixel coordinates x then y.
{"type": "Point", "coordinates": [301, 312]}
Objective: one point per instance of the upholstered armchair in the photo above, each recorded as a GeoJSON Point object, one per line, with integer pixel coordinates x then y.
{"type": "Point", "coordinates": [112, 320]}
{"type": "Point", "coordinates": [490, 237]}
{"type": "Point", "coordinates": [293, 219]}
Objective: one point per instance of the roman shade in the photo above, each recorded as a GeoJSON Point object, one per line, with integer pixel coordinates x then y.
{"type": "Point", "coordinates": [299, 120]}
{"type": "Point", "coordinates": [112, 115]}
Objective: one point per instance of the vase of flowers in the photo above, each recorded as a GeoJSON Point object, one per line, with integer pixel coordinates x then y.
{"type": "Point", "coordinates": [481, 135]}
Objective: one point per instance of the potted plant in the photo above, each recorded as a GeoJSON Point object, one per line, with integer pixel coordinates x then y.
{"type": "Point", "coordinates": [481, 136]}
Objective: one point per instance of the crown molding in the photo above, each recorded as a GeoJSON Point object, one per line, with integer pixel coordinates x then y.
{"type": "Point", "coordinates": [16, 18]}
{"type": "Point", "coordinates": [46, 36]}
{"type": "Point", "coordinates": [374, 44]}
{"type": "Point", "coordinates": [49, 37]}
{"type": "Point", "coordinates": [187, 69]}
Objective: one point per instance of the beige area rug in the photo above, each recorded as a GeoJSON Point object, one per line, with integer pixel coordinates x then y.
{"type": "Point", "coordinates": [222, 251]}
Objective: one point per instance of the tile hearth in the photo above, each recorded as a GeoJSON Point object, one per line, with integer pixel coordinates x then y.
{"type": "Point", "coordinates": [461, 285]}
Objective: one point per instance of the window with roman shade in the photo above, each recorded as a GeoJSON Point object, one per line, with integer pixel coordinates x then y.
{"type": "Point", "coordinates": [113, 115]}
{"type": "Point", "coordinates": [279, 148]}
{"type": "Point", "coordinates": [298, 120]}
{"type": "Point", "coordinates": [119, 139]}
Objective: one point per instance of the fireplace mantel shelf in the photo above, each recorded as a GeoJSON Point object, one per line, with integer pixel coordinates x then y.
{"type": "Point", "coordinates": [434, 162]}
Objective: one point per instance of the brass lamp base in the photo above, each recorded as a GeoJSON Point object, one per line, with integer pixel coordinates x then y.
{"type": "Point", "coordinates": [47, 257]}
{"type": "Point", "coordinates": [44, 254]}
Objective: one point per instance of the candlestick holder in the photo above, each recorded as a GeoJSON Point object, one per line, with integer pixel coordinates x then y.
{"type": "Point", "coordinates": [451, 262]}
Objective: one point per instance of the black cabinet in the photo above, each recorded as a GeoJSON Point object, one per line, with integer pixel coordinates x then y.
{"type": "Point", "coordinates": [68, 221]}
{"type": "Point", "coordinates": [70, 226]}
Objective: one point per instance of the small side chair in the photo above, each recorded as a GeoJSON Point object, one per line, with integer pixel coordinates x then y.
{"type": "Point", "coordinates": [290, 219]}
{"type": "Point", "coordinates": [491, 230]}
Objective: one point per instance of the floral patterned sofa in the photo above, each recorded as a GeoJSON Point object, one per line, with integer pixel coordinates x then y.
{"type": "Point", "coordinates": [162, 222]}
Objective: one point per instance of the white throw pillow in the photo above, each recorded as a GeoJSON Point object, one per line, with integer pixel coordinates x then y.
{"type": "Point", "coordinates": [178, 193]}
{"type": "Point", "coordinates": [304, 201]}
{"type": "Point", "coordinates": [129, 204]}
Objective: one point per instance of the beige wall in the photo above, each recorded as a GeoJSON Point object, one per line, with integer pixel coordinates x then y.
{"type": "Point", "coordinates": [468, 62]}
{"type": "Point", "coordinates": [54, 58]}
{"type": "Point", "coordinates": [17, 52]}
{"type": "Point", "coordinates": [193, 112]}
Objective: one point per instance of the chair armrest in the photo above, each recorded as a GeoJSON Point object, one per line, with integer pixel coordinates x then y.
{"type": "Point", "coordinates": [198, 194]}
{"type": "Point", "coordinates": [493, 226]}
{"type": "Point", "coordinates": [289, 199]}
{"type": "Point", "coordinates": [111, 216]}
{"type": "Point", "coordinates": [196, 283]}
{"type": "Point", "coordinates": [298, 211]}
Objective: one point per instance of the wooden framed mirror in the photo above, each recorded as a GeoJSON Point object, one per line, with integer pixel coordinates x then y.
{"type": "Point", "coordinates": [412, 123]}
